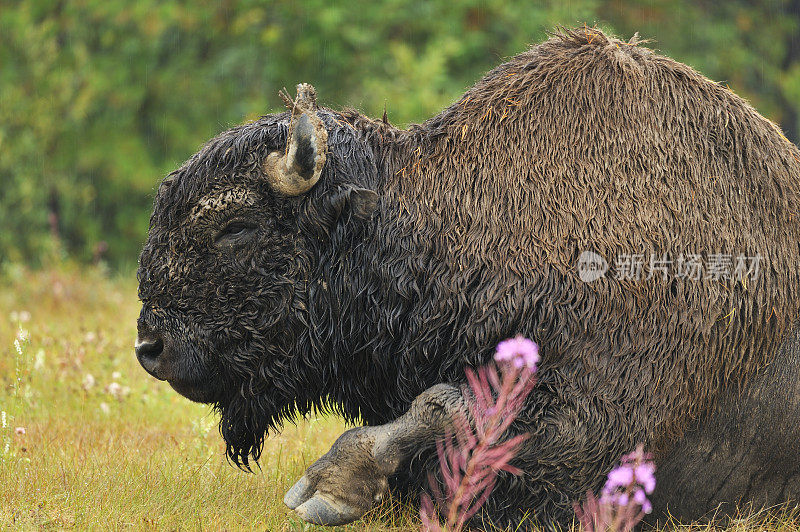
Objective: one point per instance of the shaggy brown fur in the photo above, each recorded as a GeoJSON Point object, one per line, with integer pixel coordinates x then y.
{"type": "Point", "coordinates": [586, 142]}
{"type": "Point", "coordinates": [582, 143]}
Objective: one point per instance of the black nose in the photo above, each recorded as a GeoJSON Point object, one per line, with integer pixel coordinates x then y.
{"type": "Point", "coordinates": [148, 349]}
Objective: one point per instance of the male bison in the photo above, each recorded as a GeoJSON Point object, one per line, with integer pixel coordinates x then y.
{"type": "Point", "coordinates": [321, 260]}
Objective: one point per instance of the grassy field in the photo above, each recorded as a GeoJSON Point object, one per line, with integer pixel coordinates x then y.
{"type": "Point", "coordinates": [90, 441]}
{"type": "Point", "coordinates": [105, 446]}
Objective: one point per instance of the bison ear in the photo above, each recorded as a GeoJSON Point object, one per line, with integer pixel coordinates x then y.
{"type": "Point", "coordinates": [298, 169]}
{"type": "Point", "coordinates": [361, 202]}
{"type": "Point", "coordinates": [340, 206]}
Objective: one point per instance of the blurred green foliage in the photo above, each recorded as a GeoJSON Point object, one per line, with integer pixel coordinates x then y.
{"type": "Point", "coordinates": [101, 98]}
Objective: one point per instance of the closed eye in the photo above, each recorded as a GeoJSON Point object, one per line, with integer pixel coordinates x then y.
{"type": "Point", "coordinates": [235, 232]}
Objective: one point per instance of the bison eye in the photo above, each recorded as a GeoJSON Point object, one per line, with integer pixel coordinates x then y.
{"type": "Point", "coordinates": [235, 232]}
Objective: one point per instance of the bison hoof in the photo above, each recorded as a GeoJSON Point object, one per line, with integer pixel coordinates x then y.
{"type": "Point", "coordinates": [342, 485]}
{"type": "Point", "coordinates": [321, 508]}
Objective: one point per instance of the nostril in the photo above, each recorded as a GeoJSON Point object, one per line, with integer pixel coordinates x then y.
{"type": "Point", "coordinates": [149, 349]}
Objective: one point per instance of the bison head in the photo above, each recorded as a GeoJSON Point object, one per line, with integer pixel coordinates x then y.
{"type": "Point", "coordinates": [237, 240]}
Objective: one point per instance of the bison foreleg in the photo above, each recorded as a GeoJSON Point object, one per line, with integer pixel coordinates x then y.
{"type": "Point", "coordinates": [352, 476]}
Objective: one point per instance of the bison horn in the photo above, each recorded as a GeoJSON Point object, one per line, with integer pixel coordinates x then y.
{"type": "Point", "coordinates": [298, 169]}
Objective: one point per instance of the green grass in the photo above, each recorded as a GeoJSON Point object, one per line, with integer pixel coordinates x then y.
{"type": "Point", "coordinates": [143, 458]}
{"type": "Point", "coordinates": [136, 455]}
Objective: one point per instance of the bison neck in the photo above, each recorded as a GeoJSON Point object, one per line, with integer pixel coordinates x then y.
{"type": "Point", "coordinates": [428, 286]}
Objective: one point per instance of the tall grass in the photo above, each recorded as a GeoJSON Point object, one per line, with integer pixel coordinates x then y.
{"type": "Point", "coordinates": [107, 447]}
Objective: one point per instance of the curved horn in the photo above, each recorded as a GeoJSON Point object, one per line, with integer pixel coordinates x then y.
{"type": "Point", "coordinates": [299, 168]}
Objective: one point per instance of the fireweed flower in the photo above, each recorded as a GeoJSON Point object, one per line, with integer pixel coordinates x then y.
{"type": "Point", "coordinates": [635, 477]}
{"type": "Point", "coordinates": [640, 498]}
{"type": "Point", "coordinates": [619, 477]}
{"type": "Point", "coordinates": [645, 476]}
{"type": "Point", "coordinates": [623, 500]}
{"type": "Point", "coordinates": [472, 457]}
{"type": "Point", "coordinates": [519, 351]}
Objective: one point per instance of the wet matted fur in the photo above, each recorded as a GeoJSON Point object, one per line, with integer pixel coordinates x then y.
{"type": "Point", "coordinates": [584, 142]}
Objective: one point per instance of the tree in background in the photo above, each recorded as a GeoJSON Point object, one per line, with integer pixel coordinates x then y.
{"type": "Point", "coordinates": [101, 98]}
{"type": "Point", "coordinates": [752, 46]}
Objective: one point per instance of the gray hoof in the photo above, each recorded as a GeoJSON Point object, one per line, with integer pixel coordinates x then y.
{"type": "Point", "coordinates": [343, 484]}
{"type": "Point", "coordinates": [297, 493]}
{"type": "Point", "coordinates": [323, 510]}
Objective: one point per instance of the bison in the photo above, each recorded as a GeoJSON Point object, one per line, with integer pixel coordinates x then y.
{"type": "Point", "coordinates": [317, 260]}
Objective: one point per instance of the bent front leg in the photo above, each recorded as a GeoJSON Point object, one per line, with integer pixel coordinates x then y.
{"type": "Point", "coordinates": [352, 477]}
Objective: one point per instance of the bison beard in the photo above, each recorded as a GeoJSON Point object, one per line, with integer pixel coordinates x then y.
{"type": "Point", "coordinates": [368, 288]}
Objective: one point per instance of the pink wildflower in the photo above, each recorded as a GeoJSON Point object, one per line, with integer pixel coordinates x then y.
{"type": "Point", "coordinates": [645, 475]}
{"type": "Point", "coordinates": [640, 498]}
{"type": "Point", "coordinates": [19, 430]}
{"type": "Point", "coordinates": [623, 502]}
{"type": "Point", "coordinates": [619, 477]}
{"type": "Point", "coordinates": [519, 351]}
{"type": "Point", "coordinates": [471, 458]}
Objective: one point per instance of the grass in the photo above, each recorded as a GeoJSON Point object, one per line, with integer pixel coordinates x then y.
{"type": "Point", "coordinates": [131, 455]}
{"type": "Point", "coordinates": [135, 454]}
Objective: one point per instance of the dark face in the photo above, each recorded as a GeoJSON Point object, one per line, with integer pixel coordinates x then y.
{"type": "Point", "coordinates": [224, 274]}
{"type": "Point", "coordinates": [219, 276]}
{"type": "Point", "coordinates": [223, 284]}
